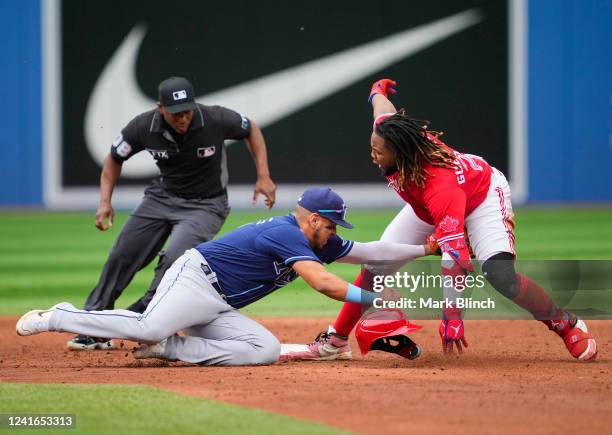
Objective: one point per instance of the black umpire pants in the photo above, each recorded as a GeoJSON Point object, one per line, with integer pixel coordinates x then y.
{"type": "Point", "coordinates": [160, 215]}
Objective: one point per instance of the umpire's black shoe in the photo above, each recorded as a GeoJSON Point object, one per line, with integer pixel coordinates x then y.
{"type": "Point", "coordinates": [85, 342]}
{"type": "Point", "coordinates": [137, 307]}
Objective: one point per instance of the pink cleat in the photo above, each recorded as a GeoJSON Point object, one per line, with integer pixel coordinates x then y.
{"type": "Point", "coordinates": [326, 347]}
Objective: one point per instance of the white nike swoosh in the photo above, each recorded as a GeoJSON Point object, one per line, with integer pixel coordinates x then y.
{"type": "Point", "coordinates": [116, 98]}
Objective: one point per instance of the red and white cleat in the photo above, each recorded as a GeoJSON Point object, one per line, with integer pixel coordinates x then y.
{"type": "Point", "coordinates": [577, 338]}
{"type": "Point", "coordinates": [580, 343]}
{"type": "Point", "coordinates": [326, 347]}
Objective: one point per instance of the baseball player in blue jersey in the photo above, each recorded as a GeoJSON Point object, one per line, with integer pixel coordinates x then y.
{"type": "Point", "coordinates": [204, 288]}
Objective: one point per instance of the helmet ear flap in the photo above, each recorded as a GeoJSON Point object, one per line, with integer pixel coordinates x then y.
{"type": "Point", "coordinates": [399, 344]}
{"type": "Point", "coordinates": [387, 323]}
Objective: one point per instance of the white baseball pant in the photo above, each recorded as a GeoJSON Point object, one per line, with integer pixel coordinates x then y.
{"type": "Point", "coordinates": [490, 226]}
{"type": "Point", "coordinates": [218, 334]}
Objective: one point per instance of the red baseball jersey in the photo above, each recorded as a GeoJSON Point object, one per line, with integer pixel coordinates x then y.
{"type": "Point", "coordinates": [448, 194]}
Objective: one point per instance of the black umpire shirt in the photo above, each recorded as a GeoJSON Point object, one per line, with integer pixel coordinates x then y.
{"type": "Point", "coordinates": [191, 165]}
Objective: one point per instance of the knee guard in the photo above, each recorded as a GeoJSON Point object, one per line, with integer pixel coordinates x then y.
{"type": "Point", "coordinates": [499, 271]}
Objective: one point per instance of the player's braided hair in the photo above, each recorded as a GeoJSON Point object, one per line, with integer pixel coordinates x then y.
{"type": "Point", "coordinates": [408, 138]}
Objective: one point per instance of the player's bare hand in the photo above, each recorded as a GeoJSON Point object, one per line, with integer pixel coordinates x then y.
{"type": "Point", "coordinates": [452, 335]}
{"type": "Point", "coordinates": [105, 213]}
{"type": "Point", "coordinates": [266, 187]}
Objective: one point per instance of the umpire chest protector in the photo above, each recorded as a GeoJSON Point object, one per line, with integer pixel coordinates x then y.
{"type": "Point", "coordinates": [192, 165]}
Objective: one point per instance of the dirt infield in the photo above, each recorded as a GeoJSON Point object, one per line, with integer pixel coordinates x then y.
{"type": "Point", "coordinates": [516, 377]}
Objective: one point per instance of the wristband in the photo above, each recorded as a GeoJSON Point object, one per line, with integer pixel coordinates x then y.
{"type": "Point", "coordinates": [371, 97]}
{"type": "Point", "coordinates": [360, 296]}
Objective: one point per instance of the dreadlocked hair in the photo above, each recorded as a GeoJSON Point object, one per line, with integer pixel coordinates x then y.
{"type": "Point", "coordinates": [410, 139]}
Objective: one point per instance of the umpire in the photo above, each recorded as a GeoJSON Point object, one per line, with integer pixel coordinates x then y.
{"type": "Point", "coordinates": [186, 203]}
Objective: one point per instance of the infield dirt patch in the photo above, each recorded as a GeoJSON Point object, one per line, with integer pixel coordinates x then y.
{"type": "Point", "coordinates": [516, 377]}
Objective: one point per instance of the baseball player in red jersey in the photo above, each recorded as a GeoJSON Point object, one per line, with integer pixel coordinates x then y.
{"type": "Point", "coordinates": [451, 194]}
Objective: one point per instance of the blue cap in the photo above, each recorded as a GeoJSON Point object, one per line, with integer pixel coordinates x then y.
{"type": "Point", "coordinates": [327, 203]}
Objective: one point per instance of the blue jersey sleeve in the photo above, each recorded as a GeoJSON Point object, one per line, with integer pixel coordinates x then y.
{"type": "Point", "coordinates": [336, 247]}
{"type": "Point", "coordinates": [286, 244]}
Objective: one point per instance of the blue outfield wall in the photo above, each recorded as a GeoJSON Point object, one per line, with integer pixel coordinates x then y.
{"type": "Point", "coordinates": [569, 93]}
{"type": "Point", "coordinates": [21, 108]}
{"type": "Point", "coordinates": [570, 100]}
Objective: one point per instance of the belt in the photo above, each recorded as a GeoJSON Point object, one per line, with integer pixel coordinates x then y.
{"type": "Point", "coordinates": [211, 276]}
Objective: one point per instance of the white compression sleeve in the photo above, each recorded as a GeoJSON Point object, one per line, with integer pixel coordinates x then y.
{"type": "Point", "coordinates": [382, 253]}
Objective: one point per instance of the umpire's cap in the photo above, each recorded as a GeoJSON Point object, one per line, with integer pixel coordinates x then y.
{"type": "Point", "coordinates": [176, 95]}
{"type": "Point", "coordinates": [327, 203]}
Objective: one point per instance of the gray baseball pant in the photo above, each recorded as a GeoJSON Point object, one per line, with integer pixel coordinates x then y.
{"type": "Point", "coordinates": [185, 300]}
{"type": "Point", "coordinates": [188, 222]}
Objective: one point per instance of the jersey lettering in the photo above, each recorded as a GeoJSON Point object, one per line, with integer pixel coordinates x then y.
{"type": "Point", "coordinates": [158, 154]}
{"type": "Point", "coordinates": [471, 159]}
{"type": "Point", "coordinates": [464, 162]}
{"type": "Point", "coordinates": [122, 148]}
{"type": "Point", "coordinates": [244, 122]}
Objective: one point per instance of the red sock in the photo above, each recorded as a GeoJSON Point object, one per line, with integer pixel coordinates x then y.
{"type": "Point", "coordinates": [534, 299]}
{"type": "Point", "coordinates": [351, 312]}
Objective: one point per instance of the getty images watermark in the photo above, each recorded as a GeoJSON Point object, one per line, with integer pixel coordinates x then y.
{"type": "Point", "coordinates": [583, 287]}
{"type": "Point", "coordinates": [456, 285]}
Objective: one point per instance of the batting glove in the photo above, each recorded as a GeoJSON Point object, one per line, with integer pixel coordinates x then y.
{"type": "Point", "coordinates": [433, 246]}
{"type": "Point", "coordinates": [452, 333]}
{"type": "Point", "coordinates": [459, 252]}
{"type": "Point", "coordinates": [382, 87]}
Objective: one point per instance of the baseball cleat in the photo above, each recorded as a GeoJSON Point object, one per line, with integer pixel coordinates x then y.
{"type": "Point", "coordinates": [36, 321]}
{"type": "Point", "coordinates": [150, 350]}
{"type": "Point", "coordinates": [326, 347]}
{"type": "Point", "coordinates": [580, 343]}
{"type": "Point", "coordinates": [85, 342]}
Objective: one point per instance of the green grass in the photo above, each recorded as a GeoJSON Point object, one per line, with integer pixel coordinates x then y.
{"type": "Point", "coordinates": [47, 257]}
{"type": "Point", "coordinates": [129, 409]}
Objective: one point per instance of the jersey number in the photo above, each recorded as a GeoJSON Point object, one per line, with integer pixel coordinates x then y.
{"type": "Point", "coordinates": [464, 163]}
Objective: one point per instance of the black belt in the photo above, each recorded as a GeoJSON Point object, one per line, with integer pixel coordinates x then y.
{"type": "Point", "coordinates": [212, 279]}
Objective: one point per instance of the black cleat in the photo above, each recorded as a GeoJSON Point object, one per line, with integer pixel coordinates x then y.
{"type": "Point", "coordinates": [85, 342]}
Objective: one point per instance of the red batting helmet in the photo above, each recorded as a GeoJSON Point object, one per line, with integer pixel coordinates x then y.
{"type": "Point", "coordinates": [386, 330]}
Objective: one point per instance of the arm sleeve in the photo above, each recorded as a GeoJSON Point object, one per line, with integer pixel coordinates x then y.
{"type": "Point", "coordinates": [126, 144]}
{"type": "Point", "coordinates": [380, 118]}
{"type": "Point", "coordinates": [235, 125]}
{"type": "Point", "coordinates": [382, 253]}
{"type": "Point", "coordinates": [335, 249]}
